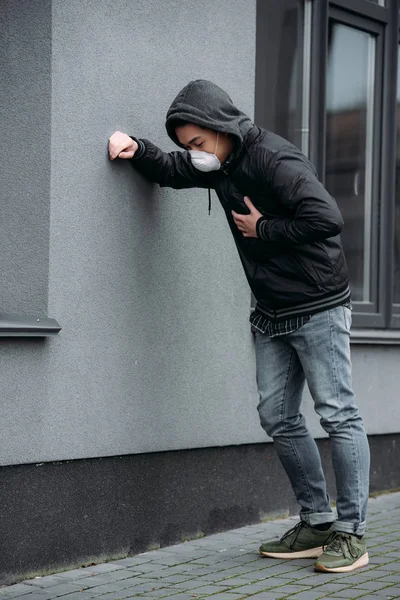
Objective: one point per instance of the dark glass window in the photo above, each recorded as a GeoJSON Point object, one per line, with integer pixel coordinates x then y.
{"type": "Point", "coordinates": [396, 295]}
{"type": "Point", "coordinates": [349, 145]}
{"type": "Point", "coordinates": [282, 59]}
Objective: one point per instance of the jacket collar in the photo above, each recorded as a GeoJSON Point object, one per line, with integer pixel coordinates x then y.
{"type": "Point", "coordinates": [236, 157]}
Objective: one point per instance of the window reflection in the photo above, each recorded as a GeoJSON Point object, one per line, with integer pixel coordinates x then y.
{"type": "Point", "coordinates": [350, 77]}
{"type": "Point", "coordinates": [281, 104]}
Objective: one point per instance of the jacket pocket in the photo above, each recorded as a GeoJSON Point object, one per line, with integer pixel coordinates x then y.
{"type": "Point", "coordinates": [309, 274]}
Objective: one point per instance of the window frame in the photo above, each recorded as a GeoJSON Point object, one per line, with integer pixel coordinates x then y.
{"type": "Point", "coordinates": [370, 322]}
{"type": "Point", "coordinates": [377, 322]}
{"type": "Point", "coordinates": [395, 307]}
{"type": "Point", "coordinates": [368, 314]}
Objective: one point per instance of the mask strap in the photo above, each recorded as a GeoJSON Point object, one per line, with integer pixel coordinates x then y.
{"type": "Point", "coordinates": [216, 147]}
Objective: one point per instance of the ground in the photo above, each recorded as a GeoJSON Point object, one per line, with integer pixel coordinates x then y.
{"type": "Point", "coordinates": [227, 566]}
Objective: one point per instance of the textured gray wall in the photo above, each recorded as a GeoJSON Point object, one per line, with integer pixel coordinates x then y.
{"type": "Point", "coordinates": [155, 351]}
{"type": "Point", "coordinates": [25, 121]}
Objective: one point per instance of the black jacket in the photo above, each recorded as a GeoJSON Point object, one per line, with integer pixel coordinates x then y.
{"type": "Point", "coordinates": [297, 265]}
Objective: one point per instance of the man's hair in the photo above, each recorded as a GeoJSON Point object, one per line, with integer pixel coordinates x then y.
{"type": "Point", "coordinates": [179, 123]}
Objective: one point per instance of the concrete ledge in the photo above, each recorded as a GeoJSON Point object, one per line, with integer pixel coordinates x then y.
{"type": "Point", "coordinates": [375, 336]}
{"type": "Point", "coordinates": [27, 326]}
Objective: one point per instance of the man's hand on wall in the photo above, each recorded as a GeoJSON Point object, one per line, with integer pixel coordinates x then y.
{"type": "Point", "coordinates": [120, 145]}
{"type": "Point", "coordinates": [247, 223]}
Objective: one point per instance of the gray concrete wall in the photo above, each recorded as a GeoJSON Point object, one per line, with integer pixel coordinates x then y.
{"type": "Point", "coordinates": [25, 122]}
{"type": "Point", "coordinates": [155, 351]}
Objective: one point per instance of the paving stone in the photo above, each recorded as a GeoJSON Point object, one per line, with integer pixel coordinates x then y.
{"type": "Point", "coordinates": [35, 595]}
{"type": "Point", "coordinates": [142, 588]}
{"type": "Point", "coordinates": [327, 588]}
{"type": "Point", "coordinates": [286, 566]}
{"type": "Point", "coordinates": [163, 592]}
{"type": "Point", "coordinates": [92, 593]}
{"type": "Point", "coordinates": [373, 585]}
{"type": "Point", "coordinates": [64, 588]}
{"type": "Point", "coordinates": [390, 567]}
{"type": "Point", "coordinates": [182, 596]}
{"type": "Point", "coordinates": [97, 580]}
{"type": "Point", "coordinates": [108, 588]}
{"type": "Point", "coordinates": [307, 595]}
{"type": "Point", "coordinates": [317, 579]}
{"type": "Point", "coordinates": [270, 596]}
{"type": "Point", "coordinates": [393, 592]}
{"type": "Point", "coordinates": [104, 568]}
{"type": "Point", "coordinates": [292, 589]}
{"type": "Point", "coordinates": [209, 589]}
{"type": "Point", "coordinates": [379, 560]}
{"type": "Point", "coordinates": [68, 575]}
{"type": "Point", "coordinates": [234, 581]}
{"type": "Point", "coordinates": [116, 575]}
{"type": "Point", "coordinates": [118, 595]}
{"type": "Point", "coordinates": [131, 561]}
{"type": "Point", "coordinates": [352, 592]}
{"type": "Point", "coordinates": [247, 575]}
{"type": "Point", "coordinates": [378, 572]}
{"type": "Point", "coordinates": [271, 582]}
{"type": "Point", "coordinates": [250, 588]}
{"type": "Point", "coordinates": [247, 557]}
{"type": "Point", "coordinates": [205, 570]}
{"type": "Point", "coordinates": [262, 575]}
{"type": "Point", "coordinates": [74, 596]}
{"type": "Point", "coordinates": [39, 582]}
{"type": "Point", "coordinates": [146, 597]}
{"type": "Point", "coordinates": [148, 567]}
{"type": "Point", "coordinates": [174, 579]}
{"type": "Point", "coordinates": [154, 554]}
{"type": "Point", "coordinates": [225, 596]}
{"type": "Point", "coordinates": [392, 578]}
{"type": "Point", "coordinates": [13, 591]}
{"type": "Point", "coordinates": [203, 580]}
{"type": "Point", "coordinates": [172, 561]}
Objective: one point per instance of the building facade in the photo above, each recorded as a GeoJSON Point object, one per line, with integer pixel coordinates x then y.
{"type": "Point", "coordinates": [135, 425]}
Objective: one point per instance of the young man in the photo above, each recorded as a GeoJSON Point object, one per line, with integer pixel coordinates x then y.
{"type": "Point", "coordinates": [286, 228]}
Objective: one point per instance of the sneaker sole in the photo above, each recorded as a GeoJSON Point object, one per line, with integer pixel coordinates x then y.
{"type": "Point", "coordinates": [361, 562]}
{"type": "Point", "coordinates": [310, 553]}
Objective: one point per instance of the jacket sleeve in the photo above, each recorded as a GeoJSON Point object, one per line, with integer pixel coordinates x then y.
{"type": "Point", "coordinates": [173, 169]}
{"type": "Point", "coordinates": [316, 216]}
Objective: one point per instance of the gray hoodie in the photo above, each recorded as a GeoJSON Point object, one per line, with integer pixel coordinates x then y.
{"type": "Point", "coordinates": [203, 103]}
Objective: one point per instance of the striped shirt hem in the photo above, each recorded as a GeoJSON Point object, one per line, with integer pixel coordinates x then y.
{"type": "Point", "coordinates": [273, 329]}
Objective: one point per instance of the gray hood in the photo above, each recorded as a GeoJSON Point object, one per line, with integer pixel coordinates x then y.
{"type": "Point", "coordinates": [205, 104]}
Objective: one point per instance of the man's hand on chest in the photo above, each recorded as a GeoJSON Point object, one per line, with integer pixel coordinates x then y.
{"type": "Point", "coordinates": [247, 223]}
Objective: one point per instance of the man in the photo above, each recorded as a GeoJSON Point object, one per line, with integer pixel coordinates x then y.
{"type": "Point", "coordinates": [286, 228]}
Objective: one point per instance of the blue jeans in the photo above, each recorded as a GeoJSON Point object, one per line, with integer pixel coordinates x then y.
{"type": "Point", "coordinates": [318, 352]}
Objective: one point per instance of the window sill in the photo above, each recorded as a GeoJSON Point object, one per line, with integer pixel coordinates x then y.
{"type": "Point", "coordinates": [27, 326]}
{"type": "Point", "coordinates": [375, 336]}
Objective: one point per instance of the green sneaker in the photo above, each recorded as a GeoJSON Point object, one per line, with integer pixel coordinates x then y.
{"type": "Point", "coordinates": [302, 541]}
{"type": "Point", "coordinates": [342, 553]}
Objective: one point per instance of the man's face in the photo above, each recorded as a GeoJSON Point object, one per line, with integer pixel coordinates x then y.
{"type": "Point", "coordinates": [194, 137]}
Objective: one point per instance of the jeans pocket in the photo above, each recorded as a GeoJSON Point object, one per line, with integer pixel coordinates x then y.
{"type": "Point", "coordinates": [347, 317]}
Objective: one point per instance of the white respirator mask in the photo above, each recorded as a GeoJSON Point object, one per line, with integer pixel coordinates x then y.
{"type": "Point", "coordinates": [204, 161]}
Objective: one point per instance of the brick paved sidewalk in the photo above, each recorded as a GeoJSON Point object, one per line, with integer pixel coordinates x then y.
{"type": "Point", "coordinates": [226, 566]}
